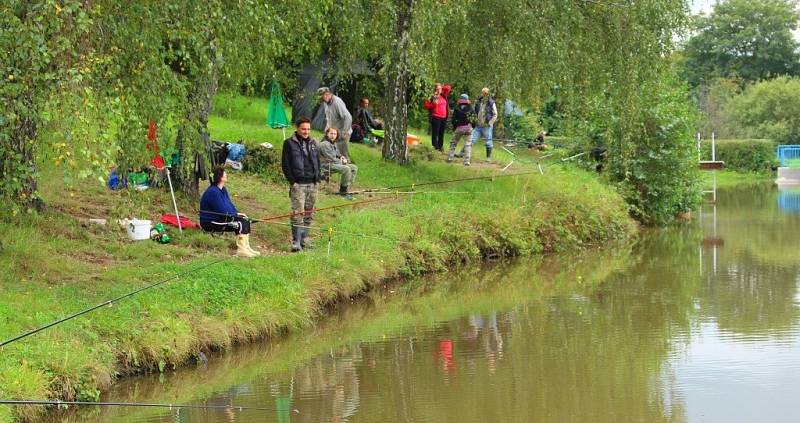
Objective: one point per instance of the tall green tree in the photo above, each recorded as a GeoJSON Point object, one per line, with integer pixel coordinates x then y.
{"type": "Point", "coordinates": [750, 39]}
{"type": "Point", "coordinates": [40, 53]}
{"type": "Point", "coordinates": [166, 60]}
{"type": "Point", "coordinates": [174, 56]}
{"type": "Point", "coordinates": [770, 109]}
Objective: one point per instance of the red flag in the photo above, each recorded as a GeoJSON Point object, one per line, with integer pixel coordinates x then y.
{"type": "Point", "coordinates": [151, 131]}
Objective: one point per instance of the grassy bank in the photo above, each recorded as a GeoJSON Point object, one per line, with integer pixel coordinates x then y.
{"type": "Point", "coordinates": [55, 263]}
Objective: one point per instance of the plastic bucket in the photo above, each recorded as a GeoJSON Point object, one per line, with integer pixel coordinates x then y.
{"type": "Point", "coordinates": [139, 229]}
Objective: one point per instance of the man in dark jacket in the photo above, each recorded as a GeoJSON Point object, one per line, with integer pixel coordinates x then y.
{"type": "Point", "coordinates": [364, 122]}
{"type": "Point", "coordinates": [300, 163]}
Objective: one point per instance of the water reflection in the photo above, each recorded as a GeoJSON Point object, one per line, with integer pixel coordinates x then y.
{"type": "Point", "coordinates": [651, 333]}
{"type": "Point", "coordinates": [789, 199]}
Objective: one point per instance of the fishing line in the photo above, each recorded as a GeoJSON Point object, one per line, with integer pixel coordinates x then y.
{"type": "Point", "coordinates": [447, 181]}
{"type": "Point", "coordinates": [135, 404]}
{"type": "Point", "coordinates": [338, 231]}
{"type": "Point", "coordinates": [110, 302]}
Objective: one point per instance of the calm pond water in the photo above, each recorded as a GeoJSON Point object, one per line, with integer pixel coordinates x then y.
{"type": "Point", "coordinates": [697, 323]}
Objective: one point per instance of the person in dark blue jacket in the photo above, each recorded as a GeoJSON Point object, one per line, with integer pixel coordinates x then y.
{"type": "Point", "coordinates": [218, 214]}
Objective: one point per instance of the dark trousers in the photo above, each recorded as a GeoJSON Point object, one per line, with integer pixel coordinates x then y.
{"type": "Point", "coordinates": [438, 125]}
{"type": "Point", "coordinates": [236, 224]}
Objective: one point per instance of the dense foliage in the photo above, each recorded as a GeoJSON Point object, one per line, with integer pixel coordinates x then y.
{"type": "Point", "coordinates": [770, 109]}
{"type": "Point", "coordinates": [750, 39]}
{"type": "Point", "coordinates": [652, 154]}
{"type": "Point", "coordinates": [167, 60]}
{"type": "Point", "coordinates": [743, 155]}
{"type": "Point", "coordinates": [41, 56]}
{"type": "Point", "coordinates": [714, 100]}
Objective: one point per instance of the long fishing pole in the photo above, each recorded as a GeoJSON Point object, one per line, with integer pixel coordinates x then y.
{"type": "Point", "coordinates": [382, 191]}
{"type": "Point", "coordinates": [110, 302]}
{"type": "Point", "coordinates": [135, 404]}
{"type": "Point", "coordinates": [339, 231]}
{"type": "Point", "coordinates": [448, 181]}
{"type": "Point", "coordinates": [299, 212]}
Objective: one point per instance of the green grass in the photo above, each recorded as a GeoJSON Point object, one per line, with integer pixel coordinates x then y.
{"type": "Point", "coordinates": [54, 263]}
{"type": "Point", "coordinates": [793, 163]}
{"type": "Point", "coordinates": [730, 178]}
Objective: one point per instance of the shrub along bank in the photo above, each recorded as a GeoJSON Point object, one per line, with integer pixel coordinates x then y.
{"type": "Point", "coordinates": [743, 155]}
{"type": "Point", "coordinates": [54, 264]}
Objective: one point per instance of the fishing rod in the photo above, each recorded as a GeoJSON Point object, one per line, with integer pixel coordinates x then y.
{"type": "Point", "coordinates": [448, 181]}
{"type": "Point", "coordinates": [422, 192]}
{"type": "Point", "coordinates": [331, 230]}
{"type": "Point", "coordinates": [299, 212]}
{"type": "Point", "coordinates": [338, 206]}
{"type": "Point", "coordinates": [161, 282]}
{"type": "Point", "coordinates": [134, 404]}
{"type": "Point", "coordinates": [110, 302]}
{"type": "Point", "coordinates": [383, 190]}
{"type": "Point", "coordinates": [532, 143]}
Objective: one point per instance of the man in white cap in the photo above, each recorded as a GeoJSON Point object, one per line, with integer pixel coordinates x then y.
{"type": "Point", "coordinates": [486, 112]}
{"type": "Point", "coordinates": [337, 116]}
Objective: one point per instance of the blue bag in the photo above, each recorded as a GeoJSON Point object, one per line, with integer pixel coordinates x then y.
{"type": "Point", "coordinates": [236, 152]}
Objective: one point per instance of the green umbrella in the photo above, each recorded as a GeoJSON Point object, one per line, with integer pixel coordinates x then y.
{"type": "Point", "coordinates": [276, 117]}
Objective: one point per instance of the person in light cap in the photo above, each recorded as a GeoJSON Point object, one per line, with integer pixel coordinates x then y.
{"type": "Point", "coordinates": [463, 117]}
{"type": "Point", "coordinates": [486, 115]}
{"type": "Point", "coordinates": [337, 116]}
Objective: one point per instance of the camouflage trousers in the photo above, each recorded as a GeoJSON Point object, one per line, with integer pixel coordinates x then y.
{"type": "Point", "coordinates": [303, 197]}
{"type": "Point", "coordinates": [466, 150]}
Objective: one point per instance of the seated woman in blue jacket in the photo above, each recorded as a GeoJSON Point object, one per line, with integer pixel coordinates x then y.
{"type": "Point", "coordinates": [218, 214]}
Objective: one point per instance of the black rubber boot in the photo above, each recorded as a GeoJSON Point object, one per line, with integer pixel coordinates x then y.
{"type": "Point", "coordinates": [296, 239]}
{"type": "Point", "coordinates": [343, 192]}
{"type": "Point", "coordinates": [303, 235]}
{"type": "Point", "coordinates": [488, 154]}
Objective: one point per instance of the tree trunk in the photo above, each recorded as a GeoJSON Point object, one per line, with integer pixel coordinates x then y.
{"type": "Point", "coordinates": [394, 146]}
{"type": "Point", "coordinates": [21, 162]}
{"type": "Point", "coordinates": [201, 103]}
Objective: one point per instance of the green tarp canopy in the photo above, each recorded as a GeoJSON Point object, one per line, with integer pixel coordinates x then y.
{"type": "Point", "coordinates": [276, 116]}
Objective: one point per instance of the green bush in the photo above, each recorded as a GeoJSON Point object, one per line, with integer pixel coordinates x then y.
{"type": "Point", "coordinates": [651, 151]}
{"type": "Point", "coordinates": [264, 162]}
{"type": "Point", "coordinates": [745, 155]}
{"type": "Point", "coordinates": [524, 127]}
{"type": "Point", "coordinates": [422, 152]}
{"type": "Point", "coordinates": [770, 109]}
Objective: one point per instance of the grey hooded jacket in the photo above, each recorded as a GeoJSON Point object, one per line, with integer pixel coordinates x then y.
{"type": "Point", "coordinates": [337, 116]}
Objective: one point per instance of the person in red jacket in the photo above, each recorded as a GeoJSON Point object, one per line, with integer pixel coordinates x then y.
{"type": "Point", "coordinates": [439, 110]}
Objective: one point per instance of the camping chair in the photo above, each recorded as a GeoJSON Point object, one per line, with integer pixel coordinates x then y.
{"type": "Point", "coordinates": [325, 172]}
{"type": "Point", "coordinates": [375, 135]}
